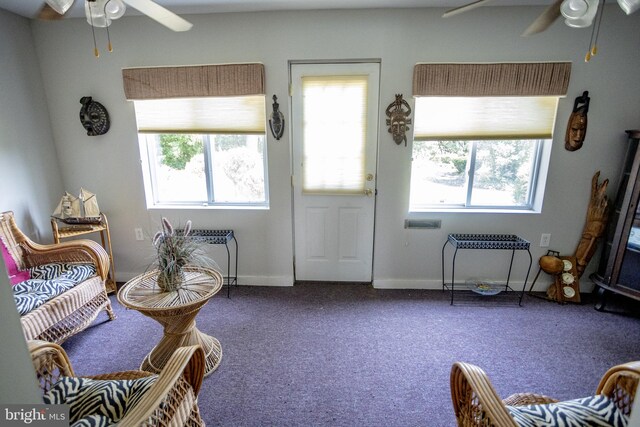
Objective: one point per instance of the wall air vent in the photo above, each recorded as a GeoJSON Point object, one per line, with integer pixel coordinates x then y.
{"type": "Point", "coordinates": [427, 224]}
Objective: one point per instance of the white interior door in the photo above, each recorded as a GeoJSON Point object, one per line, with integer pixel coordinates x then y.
{"type": "Point", "coordinates": [335, 125]}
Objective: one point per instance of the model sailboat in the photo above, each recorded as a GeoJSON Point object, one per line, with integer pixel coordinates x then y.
{"type": "Point", "coordinates": [78, 210]}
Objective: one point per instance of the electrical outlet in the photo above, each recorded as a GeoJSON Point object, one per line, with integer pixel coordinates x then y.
{"type": "Point", "coordinates": [545, 240]}
{"type": "Point", "coordinates": [139, 235]}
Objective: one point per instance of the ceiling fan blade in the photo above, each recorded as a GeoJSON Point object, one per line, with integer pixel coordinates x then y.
{"type": "Point", "coordinates": [465, 8]}
{"type": "Point", "coordinates": [47, 13]}
{"type": "Point", "coordinates": [160, 14]}
{"type": "Point", "coordinates": [60, 6]}
{"type": "Point", "coordinates": [545, 20]}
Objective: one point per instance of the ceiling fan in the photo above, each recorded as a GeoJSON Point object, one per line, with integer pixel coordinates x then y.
{"type": "Point", "coordinates": [100, 13]}
{"type": "Point", "coordinates": [577, 13]}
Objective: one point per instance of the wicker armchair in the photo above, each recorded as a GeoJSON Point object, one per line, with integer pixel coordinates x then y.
{"type": "Point", "coordinates": [476, 403]}
{"type": "Point", "coordinates": [72, 311]}
{"type": "Point", "coordinates": [171, 400]}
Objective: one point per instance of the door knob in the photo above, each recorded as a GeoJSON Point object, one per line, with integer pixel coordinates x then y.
{"type": "Point", "coordinates": [369, 177]}
{"type": "Point", "coordinates": [368, 192]}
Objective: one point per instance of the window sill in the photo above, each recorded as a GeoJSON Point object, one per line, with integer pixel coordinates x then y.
{"type": "Point", "coordinates": [210, 207]}
{"type": "Point", "coordinates": [475, 211]}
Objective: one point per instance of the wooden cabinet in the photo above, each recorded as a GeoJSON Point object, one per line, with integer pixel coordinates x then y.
{"type": "Point", "coordinates": [63, 231]}
{"type": "Point", "coordinates": [619, 270]}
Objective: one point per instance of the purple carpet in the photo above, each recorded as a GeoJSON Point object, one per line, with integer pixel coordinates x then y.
{"type": "Point", "coordinates": [351, 355]}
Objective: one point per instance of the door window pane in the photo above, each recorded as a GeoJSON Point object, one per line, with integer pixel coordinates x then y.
{"type": "Point", "coordinates": [334, 133]}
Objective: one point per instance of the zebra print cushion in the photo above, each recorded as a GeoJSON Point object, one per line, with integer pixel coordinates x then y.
{"type": "Point", "coordinates": [48, 282]}
{"type": "Point", "coordinates": [48, 271]}
{"type": "Point", "coordinates": [98, 402]}
{"type": "Point", "coordinates": [596, 411]}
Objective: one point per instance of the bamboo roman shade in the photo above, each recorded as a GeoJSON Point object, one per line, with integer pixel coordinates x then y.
{"type": "Point", "coordinates": [507, 79]}
{"type": "Point", "coordinates": [193, 81]}
{"type": "Point", "coordinates": [488, 101]}
{"type": "Point", "coordinates": [226, 98]}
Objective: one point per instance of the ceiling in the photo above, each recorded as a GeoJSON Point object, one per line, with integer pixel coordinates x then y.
{"type": "Point", "coordinates": [30, 8]}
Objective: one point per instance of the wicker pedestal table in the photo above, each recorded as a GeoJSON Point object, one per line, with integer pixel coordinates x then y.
{"type": "Point", "coordinates": [176, 312]}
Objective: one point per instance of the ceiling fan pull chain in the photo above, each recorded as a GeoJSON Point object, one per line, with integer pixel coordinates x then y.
{"type": "Point", "coordinates": [93, 32]}
{"type": "Point", "coordinates": [109, 47]}
{"type": "Point", "coordinates": [595, 31]}
{"type": "Point", "coordinates": [594, 49]}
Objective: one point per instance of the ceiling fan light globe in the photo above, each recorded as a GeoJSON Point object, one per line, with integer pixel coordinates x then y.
{"type": "Point", "coordinates": [574, 9]}
{"type": "Point", "coordinates": [99, 21]}
{"type": "Point", "coordinates": [587, 19]}
{"type": "Point", "coordinates": [115, 9]}
{"type": "Point", "coordinates": [577, 23]}
{"type": "Point", "coordinates": [94, 9]}
{"type": "Point", "coordinates": [629, 6]}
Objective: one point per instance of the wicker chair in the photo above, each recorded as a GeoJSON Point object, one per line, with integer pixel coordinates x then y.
{"type": "Point", "coordinates": [75, 309]}
{"type": "Point", "coordinates": [476, 403]}
{"type": "Point", "coordinates": [171, 400]}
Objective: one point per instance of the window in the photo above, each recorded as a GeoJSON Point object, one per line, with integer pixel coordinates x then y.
{"type": "Point", "coordinates": [334, 144]}
{"type": "Point", "coordinates": [480, 134]}
{"type": "Point", "coordinates": [202, 134]}
{"type": "Point", "coordinates": [210, 169]}
{"type": "Point", "coordinates": [478, 173]}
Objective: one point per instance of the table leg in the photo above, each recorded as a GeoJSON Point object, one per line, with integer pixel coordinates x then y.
{"type": "Point", "coordinates": [524, 286]}
{"type": "Point", "coordinates": [180, 332]}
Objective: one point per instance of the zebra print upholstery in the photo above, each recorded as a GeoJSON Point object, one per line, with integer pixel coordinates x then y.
{"type": "Point", "coordinates": [47, 282]}
{"type": "Point", "coordinates": [596, 410]}
{"type": "Point", "coordinates": [477, 404]}
{"type": "Point", "coordinates": [75, 309]}
{"type": "Point", "coordinates": [171, 400]}
{"type": "Point", "coordinates": [98, 402]}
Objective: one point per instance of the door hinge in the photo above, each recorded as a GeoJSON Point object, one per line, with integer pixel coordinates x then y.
{"type": "Point", "coordinates": [290, 89]}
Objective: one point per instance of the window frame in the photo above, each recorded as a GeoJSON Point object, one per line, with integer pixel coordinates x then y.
{"type": "Point", "coordinates": [536, 187]}
{"type": "Point", "coordinates": [470, 172]}
{"type": "Point", "coordinates": [149, 156]}
{"type": "Point", "coordinates": [505, 79]}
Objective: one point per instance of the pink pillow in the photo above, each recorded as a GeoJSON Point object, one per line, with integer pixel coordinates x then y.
{"type": "Point", "coordinates": [15, 275]}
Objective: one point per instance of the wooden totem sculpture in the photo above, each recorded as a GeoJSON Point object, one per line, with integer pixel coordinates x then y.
{"type": "Point", "coordinates": [597, 216]}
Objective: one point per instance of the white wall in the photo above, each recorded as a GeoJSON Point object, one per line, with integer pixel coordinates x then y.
{"type": "Point", "coordinates": [109, 164]}
{"type": "Point", "coordinates": [29, 185]}
{"type": "Point", "coordinates": [30, 182]}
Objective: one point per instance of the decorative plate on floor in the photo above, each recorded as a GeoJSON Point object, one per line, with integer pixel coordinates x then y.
{"type": "Point", "coordinates": [485, 288]}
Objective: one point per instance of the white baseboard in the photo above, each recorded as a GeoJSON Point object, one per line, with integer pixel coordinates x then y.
{"type": "Point", "coordinates": [279, 281]}
{"type": "Point", "coordinates": [406, 284]}
{"type": "Point", "coordinates": [431, 284]}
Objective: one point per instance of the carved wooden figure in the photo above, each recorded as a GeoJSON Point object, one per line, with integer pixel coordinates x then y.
{"type": "Point", "coordinates": [577, 126]}
{"type": "Point", "coordinates": [597, 216]}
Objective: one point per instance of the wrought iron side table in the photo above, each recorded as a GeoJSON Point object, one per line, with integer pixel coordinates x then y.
{"type": "Point", "coordinates": [484, 241]}
{"type": "Point", "coordinates": [221, 237]}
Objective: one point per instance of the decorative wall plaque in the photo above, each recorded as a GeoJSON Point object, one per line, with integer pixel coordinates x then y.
{"type": "Point", "coordinates": [276, 122]}
{"type": "Point", "coordinates": [398, 113]}
{"type": "Point", "coordinates": [93, 116]}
